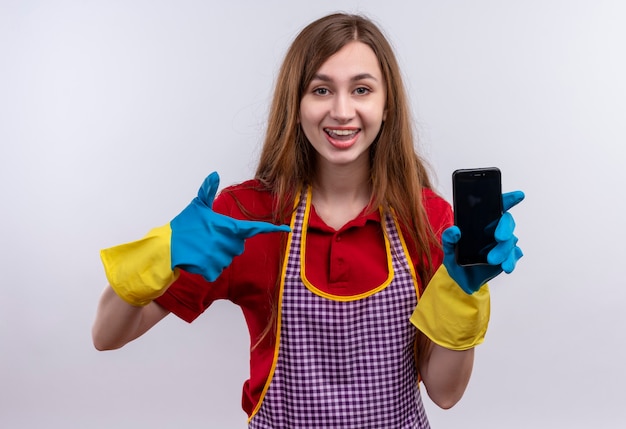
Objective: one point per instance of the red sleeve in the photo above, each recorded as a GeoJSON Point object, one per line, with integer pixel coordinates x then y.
{"type": "Point", "coordinates": [438, 210]}
{"type": "Point", "coordinates": [190, 295]}
{"type": "Point", "coordinates": [440, 216]}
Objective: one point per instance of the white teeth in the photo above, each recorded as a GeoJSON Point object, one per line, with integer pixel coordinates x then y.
{"type": "Point", "coordinates": [341, 132]}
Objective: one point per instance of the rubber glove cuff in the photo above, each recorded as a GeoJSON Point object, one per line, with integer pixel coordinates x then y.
{"type": "Point", "coordinates": [450, 317]}
{"type": "Point", "coordinates": [140, 271]}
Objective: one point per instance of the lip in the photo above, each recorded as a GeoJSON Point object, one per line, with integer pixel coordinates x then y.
{"type": "Point", "coordinates": [345, 138]}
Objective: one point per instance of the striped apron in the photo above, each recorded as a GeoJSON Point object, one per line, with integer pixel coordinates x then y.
{"type": "Point", "coordinates": [343, 362]}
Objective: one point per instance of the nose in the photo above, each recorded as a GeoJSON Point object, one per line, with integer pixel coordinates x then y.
{"type": "Point", "coordinates": [342, 108]}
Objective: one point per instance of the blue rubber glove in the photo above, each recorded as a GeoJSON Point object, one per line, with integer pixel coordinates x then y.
{"type": "Point", "coordinates": [205, 242]}
{"type": "Point", "coordinates": [503, 257]}
{"type": "Point", "coordinates": [198, 241]}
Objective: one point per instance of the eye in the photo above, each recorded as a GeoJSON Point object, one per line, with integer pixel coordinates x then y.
{"type": "Point", "coordinates": [320, 91]}
{"type": "Point", "coordinates": [362, 91]}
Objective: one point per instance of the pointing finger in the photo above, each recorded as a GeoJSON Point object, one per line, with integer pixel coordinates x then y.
{"type": "Point", "coordinates": [247, 229]}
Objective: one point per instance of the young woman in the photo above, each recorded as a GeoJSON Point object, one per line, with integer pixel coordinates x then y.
{"type": "Point", "coordinates": [358, 299]}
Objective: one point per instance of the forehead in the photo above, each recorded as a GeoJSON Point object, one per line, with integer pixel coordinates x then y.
{"type": "Point", "coordinates": [355, 58]}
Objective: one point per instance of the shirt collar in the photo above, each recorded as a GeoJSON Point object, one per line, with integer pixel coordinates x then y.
{"type": "Point", "coordinates": [316, 222]}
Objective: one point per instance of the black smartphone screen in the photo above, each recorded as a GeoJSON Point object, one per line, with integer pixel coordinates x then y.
{"type": "Point", "coordinates": [477, 199]}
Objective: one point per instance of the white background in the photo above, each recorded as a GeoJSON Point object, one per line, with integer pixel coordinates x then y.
{"type": "Point", "coordinates": [113, 112]}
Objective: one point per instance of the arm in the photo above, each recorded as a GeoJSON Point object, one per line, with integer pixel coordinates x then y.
{"type": "Point", "coordinates": [198, 241]}
{"type": "Point", "coordinates": [117, 322]}
{"type": "Point", "coordinates": [444, 372]}
{"type": "Point", "coordinates": [453, 312]}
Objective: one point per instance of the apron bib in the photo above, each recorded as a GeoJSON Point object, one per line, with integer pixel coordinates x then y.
{"type": "Point", "coordinates": [343, 362]}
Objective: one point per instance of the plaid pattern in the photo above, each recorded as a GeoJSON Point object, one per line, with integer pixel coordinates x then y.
{"type": "Point", "coordinates": [344, 364]}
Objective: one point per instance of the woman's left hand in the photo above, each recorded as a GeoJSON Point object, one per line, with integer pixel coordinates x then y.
{"type": "Point", "coordinates": [503, 257]}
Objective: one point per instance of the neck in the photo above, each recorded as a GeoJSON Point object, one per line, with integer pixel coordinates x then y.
{"type": "Point", "coordinates": [340, 194]}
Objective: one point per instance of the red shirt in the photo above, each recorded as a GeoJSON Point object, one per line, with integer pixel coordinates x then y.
{"type": "Point", "coordinates": [348, 261]}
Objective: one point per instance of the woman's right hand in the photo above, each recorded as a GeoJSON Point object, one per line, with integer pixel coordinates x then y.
{"type": "Point", "coordinates": [198, 241]}
{"type": "Point", "coordinates": [205, 242]}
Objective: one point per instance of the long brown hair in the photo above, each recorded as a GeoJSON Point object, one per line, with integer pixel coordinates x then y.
{"type": "Point", "coordinates": [398, 174]}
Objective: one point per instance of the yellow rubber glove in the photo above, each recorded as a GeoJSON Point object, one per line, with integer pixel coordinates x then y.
{"type": "Point", "coordinates": [140, 271]}
{"type": "Point", "coordinates": [450, 317]}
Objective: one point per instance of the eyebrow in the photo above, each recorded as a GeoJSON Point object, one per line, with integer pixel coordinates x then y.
{"type": "Point", "coordinates": [360, 76]}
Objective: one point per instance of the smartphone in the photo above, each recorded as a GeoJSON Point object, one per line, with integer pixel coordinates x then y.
{"type": "Point", "coordinates": [477, 202]}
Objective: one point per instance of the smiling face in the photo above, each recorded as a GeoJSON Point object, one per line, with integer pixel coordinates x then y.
{"type": "Point", "coordinates": [343, 107]}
